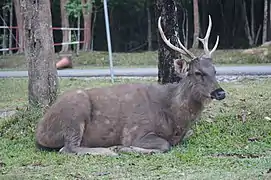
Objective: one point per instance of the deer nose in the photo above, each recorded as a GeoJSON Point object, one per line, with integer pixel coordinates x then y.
{"type": "Point", "coordinates": [218, 94]}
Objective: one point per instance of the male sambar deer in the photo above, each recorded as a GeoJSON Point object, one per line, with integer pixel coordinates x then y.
{"type": "Point", "coordinates": [143, 118]}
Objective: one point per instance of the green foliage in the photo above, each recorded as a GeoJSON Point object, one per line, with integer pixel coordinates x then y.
{"type": "Point", "coordinates": [74, 8]}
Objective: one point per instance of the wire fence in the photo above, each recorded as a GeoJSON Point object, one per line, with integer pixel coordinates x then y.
{"type": "Point", "coordinates": [73, 32]}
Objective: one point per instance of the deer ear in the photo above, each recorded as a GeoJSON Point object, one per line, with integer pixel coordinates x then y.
{"type": "Point", "coordinates": [181, 66]}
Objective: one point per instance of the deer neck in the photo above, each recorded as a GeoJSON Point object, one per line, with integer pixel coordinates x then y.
{"type": "Point", "coordinates": [183, 106]}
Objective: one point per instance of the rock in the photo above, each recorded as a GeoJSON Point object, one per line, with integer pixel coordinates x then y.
{"type": "Point", "coordinates": [6, 113]}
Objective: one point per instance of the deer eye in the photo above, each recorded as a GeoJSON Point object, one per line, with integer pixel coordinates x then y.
{"type": "Point", "coordinates": [198, 73]}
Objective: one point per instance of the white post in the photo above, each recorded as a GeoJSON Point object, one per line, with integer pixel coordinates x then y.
{"type": "Point", "coordinates": [108, 40]}
{"type": "Point", "coordinates": [78, 35]}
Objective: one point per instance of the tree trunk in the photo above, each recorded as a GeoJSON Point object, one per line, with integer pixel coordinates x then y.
{"type": "Point", "coordinates": [265, 21]}
{"type": "Point", "coordinates": [252, 29]}
{"type": "Point", "coordinates": [20, 24]}
{"type": "Point", "coordinates": [87, 12]}
{"type": "Point", "coordinates": [39, 52]}
{"type": "Point", "coordinates": [4, 36]}
{"type": "Point", "coordinates": [149, 25]}
{"type": "Point", "coordinates": [168, 11]}
{"type": "Point", "coordinates": [10, 24]}
{"type": "Point", "coordinates": [64, 23]}
{"type": "Point", "coordinates": [196, 24]}
{"type": "Point", "coordinates": [247, 28]}
{"type": "Point", "coordinates": [92, 29]}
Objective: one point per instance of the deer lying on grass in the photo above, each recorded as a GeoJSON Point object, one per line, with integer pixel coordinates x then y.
{"type": "Point", "coordinates": [142, 118]}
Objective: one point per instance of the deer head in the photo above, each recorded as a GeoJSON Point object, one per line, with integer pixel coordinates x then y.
{"type": "Point", "coordinates": [198, 71]}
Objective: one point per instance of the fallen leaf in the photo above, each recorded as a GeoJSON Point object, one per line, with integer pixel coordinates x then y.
{"type": "Point", "coordinates": [267, 118]}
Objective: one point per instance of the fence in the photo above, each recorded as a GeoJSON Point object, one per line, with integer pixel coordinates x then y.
{"type": "Point", "coordinates": [16, 38]}
{"type": "Point", "coordinates": [10, 28]}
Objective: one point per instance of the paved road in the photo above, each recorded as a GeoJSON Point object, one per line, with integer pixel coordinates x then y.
{"type": "Point", "coordinates": [221, 70]}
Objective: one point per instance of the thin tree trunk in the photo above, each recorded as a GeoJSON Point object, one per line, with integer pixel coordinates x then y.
{"type": "Point", "coordinates": [247, 29]}
{"type": "Point", "coordinates": [20, 24]}
{"type": "Point", "coordinates": [78, 35]}
{"type": "Point", "coordinates": [149, 26]}
{"type": "Point", "coordinates": [185, 27]}
{"type": "Point", "coordinates": [64, 23]}
{"type": "Point", "coordinates": [186, 30]}
{"type": "Point", "coordinates": [92, 29]}
{"type": "Point", "coordinates": [196, 24]}
{"type": "Point", "coordinates": [39, 52]}
{"type": "Point", "coordinates": [168, 11]}
{"type": "Point", "coordinates": [4, 39]}
{"type": "Point", "coordinates": [269, 20]}
{"type": "Point", "coordinates": [252, 25]}
{"type": "Point", "coordinates": [265, 21]}
{"type": "Point", "coordinates": [87, 14]}
{"type": "Point", "coordinates": [10, 24]}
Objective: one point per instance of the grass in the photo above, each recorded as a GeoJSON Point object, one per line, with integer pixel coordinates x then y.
{"type": "Point", "coordinates": [88, 60]}
{"type": "Point", "coordinates": [222, 147]}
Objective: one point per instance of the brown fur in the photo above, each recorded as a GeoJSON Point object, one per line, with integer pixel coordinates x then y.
{"type": "Point", "coordinates": [129, 117]}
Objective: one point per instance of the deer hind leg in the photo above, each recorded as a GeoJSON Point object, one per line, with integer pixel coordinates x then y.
{"type": "Point", "coordinates": [73, 138]}
{"type": "Point", "coordinates": [149, 144]}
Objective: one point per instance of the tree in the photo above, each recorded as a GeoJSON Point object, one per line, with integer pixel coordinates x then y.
{"type": "Point", "coordinates": [168, 11]}
{"type": "Point", "coordinates": [87, 14]}
{"type": "Point", "coordinates": [64, 23]}
{"type": "Point", "coordinates": [20, 24]}
{"type": "Point", "coordinates": [39, 52]}
{"type": "Point", "coordinates": [196, 24]}
{"type": "Point", "coordinates": [265, 21]}
{"type": "Point", "coordinates": [149, 36]}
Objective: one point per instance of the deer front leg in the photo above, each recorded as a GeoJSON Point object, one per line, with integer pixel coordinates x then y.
{"type": "Point", "coordinates": [148, 144]}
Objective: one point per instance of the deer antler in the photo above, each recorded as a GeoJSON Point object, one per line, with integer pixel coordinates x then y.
{"type": "Point", "coordinates": [204, 41]}
{"type": "Point", "coordinates": [183, 51]}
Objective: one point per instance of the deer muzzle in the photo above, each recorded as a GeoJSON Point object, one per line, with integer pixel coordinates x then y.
{"type": "Point", "coordinates": [218, 94]}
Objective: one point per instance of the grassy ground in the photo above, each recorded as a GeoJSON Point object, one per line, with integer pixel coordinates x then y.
{"type": "Point", "coordinates": [222, 147]}
{"type": "Point", "coordinates": [144, 59]}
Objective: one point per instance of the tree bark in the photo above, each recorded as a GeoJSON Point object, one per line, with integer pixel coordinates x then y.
{"type": "Point", "coordinates": [20, 24]}
{"type": "Point", "coordinates": [10, 24]}
{"type": "Point", "coordinates": [168, 11]}
{"type": "Point", "coordinates": [39, 52]}
{"type": "Point", "coordinates": [64, 23]}
{"type": "Point", "coordinates": [265, 21]}
{"type": "Point", "coordinates": [87, 14]}
{"type": "Point", "coordinates": [4, 36]}
{"type": "Point", "coordinates": [149, 25]}
{"type": "Point", "coordinates": [196, 24]}
{"type": "Point", "coordinates": [247, 29]}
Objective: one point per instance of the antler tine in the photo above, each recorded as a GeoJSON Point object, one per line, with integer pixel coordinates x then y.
{"type": "Point", "coordinates": [205, 40]}
{"type": "Point", "coordinates": [186, 50]}
{"type": "Point", "coordinates": [183, 51]}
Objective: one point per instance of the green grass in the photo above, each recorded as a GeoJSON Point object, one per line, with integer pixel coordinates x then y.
{"type": "Point", "coordinates": [219, 149]}
{"type": "Point", "coordinates": [145, 59]}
